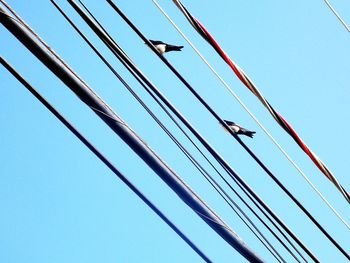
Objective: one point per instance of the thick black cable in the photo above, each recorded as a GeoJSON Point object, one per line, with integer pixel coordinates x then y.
{"type": "Point", "coordinates": [120, 128]}
{"type": "Point", "coordinates": [99, 155]}
{"type": "Point", "coordinates": [251, 153]}
{"type": "Point", "coordinates": [205, 174]}
{"type": "Point", "coordinates": [105, 38]}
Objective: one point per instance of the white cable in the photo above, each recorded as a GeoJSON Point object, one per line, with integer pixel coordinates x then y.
{"type": "Point", "coordinates": [337, 15]}
{"type": "Point", "coordinates": [251, 114]}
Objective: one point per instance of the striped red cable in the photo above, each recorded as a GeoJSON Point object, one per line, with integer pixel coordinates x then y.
{"type": "Point", "coordinates": [250, 85]}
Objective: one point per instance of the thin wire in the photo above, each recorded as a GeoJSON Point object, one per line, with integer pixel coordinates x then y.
{"type": "Point", "coordinates": [19, 20]}
{"type": "Point", "coordinates": [204, 103]}
{"type": "Point", "coordinates": [262, 165]}
{"type": "Point", "coordinates": [116, 50]}
{"type": "Point", "coordinates": [222, 177]}
{"type": "Point", "coordinates": [217, 117]}
{"type": "Point", "coordinates": [206, 175]}
{"type": "Point", "coordinates": [337, 15]}
{"type": "Point", "coordinates": [252, 115]}
{"type": "Point", "coordinates": [98, 154]}
{"type": "Point", "coordinates": [282, 150]}
{"type": "Point", "coordinates": [250, 85]}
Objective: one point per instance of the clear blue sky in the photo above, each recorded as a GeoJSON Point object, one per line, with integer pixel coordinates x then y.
{"type": "Point", "coordinates": [59, 203]}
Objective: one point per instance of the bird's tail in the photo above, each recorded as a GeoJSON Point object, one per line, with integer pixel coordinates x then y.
{"type": "Point", "coordinates": [174, 48]}
{"type": "Point", "coordinates": [250, 133]}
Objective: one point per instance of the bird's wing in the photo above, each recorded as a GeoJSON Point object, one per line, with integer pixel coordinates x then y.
{"type": "Point", "coordinates": [229, 123]}
{"type": "Point", "coordinates": [156, 42]}
{"type": "Point", "coordinates": [243, 129]}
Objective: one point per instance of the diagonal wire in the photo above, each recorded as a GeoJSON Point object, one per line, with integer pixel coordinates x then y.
{"type": "Point", "coordinates": [99, 155]}
{"type": "Point", "coordinates": [250, 85]}
{"type": "Point", "coordinates": [140, 147]}
{"type": "Point", "coordinates": [249, 196]}
{"type": "Point", "coordinates": [207, 176]}
{"type": "Point", "coordinates": [190, 139]}
{"type": "Point", "coordinates": [337, 15]}
{"type": "Point", "coordinates": [224, 124]}
{"type": "Point", "coordinates": [117, 51]}
{"type": "Point", "coordinates": [253, 116]}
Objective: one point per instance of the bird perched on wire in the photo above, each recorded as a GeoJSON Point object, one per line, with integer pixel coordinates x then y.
{"type": "Point", "coordinates": [164, 47]}
{"type": "Point", "coordinates": [238, 129]}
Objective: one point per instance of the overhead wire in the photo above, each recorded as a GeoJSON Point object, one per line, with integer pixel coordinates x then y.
{"type": "Point", "coordinates": [22, 22]}
{"type": "Point", "coordinates": [242, 76]}
{"type": "Point", "coordinates": [250, 152]}
{"type": "Point", "coordinates": [86, 95]}
{"type": "Point", "coordinates": [269, 135]}
{"type": "Point", "coordinates": [102, 158]}
{"type": "Point", "coordinates": [233, 205]}
{"type": "Point", "coordinates": [118, 52]}
{"type": "Point", "coordinates": [337, 15]}
{"type": "Point", "coordinates": [100, 27]}
{"type": "Point", "coordinates": [194, 144]}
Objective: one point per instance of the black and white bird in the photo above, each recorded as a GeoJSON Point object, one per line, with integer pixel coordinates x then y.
{"type": "Point", "coordinates": [164, 47]}
{"type": "Point", "coordinates": [239, 130]}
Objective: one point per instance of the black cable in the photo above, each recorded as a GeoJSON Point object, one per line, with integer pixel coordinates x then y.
{"type": "Point", "coordinates": [153, 96]}
{"type": "Point", "coordinates": [203, 102]}
{"type": "Point", "coordinates": [206, 175]}
{"type": "Point", "coordinates": [120, 128]}
{"type": "Point", "coordinates": [102, 158]}
{"type": "Point", "coordinates": [226, 181]}
{"type": "Point", "coordinates": [221, 176]}
{"type": "Point", "coordinates": [116, 49]}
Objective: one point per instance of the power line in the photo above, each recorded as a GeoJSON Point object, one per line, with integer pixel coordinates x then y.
{"type": "Point", "coordinates": [102, 158]}
{"type": "Point", "coordinates": [253, 117]}
{"type": "Point", "coordinates": [85, 94]}
{"type": "Point", "coordinates": [243, 77]}
{"type": "Point", "coordinates": [205, 174]}
{"type": "Point", "coordinates": [100, 27]}
{"type": "Point", "coordinates": [221, 176]}
{"type": "Point", "coordinates": [117, 51]}
{"type": "Point", "coordinates": [230, 171]}
{"type": "Point", "coordinates": [216, 116]}
{"type": "Point", "coordinates": [337, 15]}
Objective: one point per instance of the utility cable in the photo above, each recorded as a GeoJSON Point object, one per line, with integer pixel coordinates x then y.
{"type": "Point", "coordinates": [205, 174]}
{"type": "Point", "coordinates": [242, 76]}
{"type": "Point", "coordinates": [100, 27]}
{"type": "Point", "coordinates": [337, 15]}
{"type": "Point", "coordinates": [204, 103]}
{"type": "Point", "coordinates": [253, 117]}
{"type": "Point", "coordinates": [117, 50]}
{"type": "Point", "coordinates": [119, 127]}
{"type": "Point", "coordinates": [102, 158]}
{"type": "Point", "coordinates": [201, 152]}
